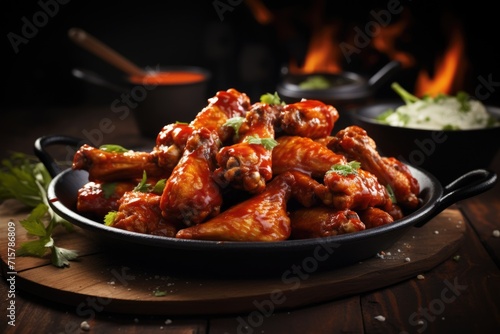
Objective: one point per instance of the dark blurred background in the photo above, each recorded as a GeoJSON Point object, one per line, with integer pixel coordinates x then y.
{"type": "Point", "coordinates": [223, 36]}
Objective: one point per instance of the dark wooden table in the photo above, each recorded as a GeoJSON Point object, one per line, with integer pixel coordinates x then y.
{"type": "Point", "coordinates": [414, 305]}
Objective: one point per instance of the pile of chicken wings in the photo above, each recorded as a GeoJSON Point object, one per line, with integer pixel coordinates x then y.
{"type": "Point", "coordinates": [243, 171]}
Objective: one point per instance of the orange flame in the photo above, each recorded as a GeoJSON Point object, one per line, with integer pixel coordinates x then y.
{"type": "Point", "coordinates": [260, 12]}
{"type": "Point", "coordinates": [385, 41]}
{"type": "Point", "coordinates": [449, 74]}
{"type": "Point", "coordinates": [322, 55]}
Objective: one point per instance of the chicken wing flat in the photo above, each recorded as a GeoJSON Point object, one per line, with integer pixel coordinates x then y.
{"type": "Point", "coordinates": [140, 212]}
{"type": "Point", "coordinates": [323, 221]}
{"type": "Point", "coordinates": [308, 118]}
{"type": "Point", "coordinates": [355, 191]}
{"type": "Point", "coordinates": [247, 165]}
{"type": "Point", "coordinates": [223, 106]}
{"type": "Point", "coordinates": [304, 155]}
{"type": "Point", "coordinates": [98, 199]}
{"type": "Point", "coordinates": [263, 217]}
{"type": "Point", "coordinates": [355, 144]}
{"type": "Point", "coordinates": [108, 166]}
{"type": "Point", "coordinates": [191, 195]}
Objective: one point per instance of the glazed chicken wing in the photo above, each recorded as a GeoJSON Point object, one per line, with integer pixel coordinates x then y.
{"type": "Point", "coordinates": [308, 118]}
{"type": "Point", "coordinates": [140, 212]}
{"type": "Point", "coordinates": [170, 144]}
{"type": "Point", "coordinates": [263, 217]}
{"type": "Point", "coordinates": [304, 155]}
{"type": "Point", "coordinates": [106, 166]}
{"type": "Point", "coordinates": [355, 144]}
{"type": "Point", "coordinates": [190, 194]}
{"type": "Point", "coordinates": [246, 165]}
{"type": "Point", "coordinates": [98, 199]}
{"type": "Point", "coordinates": [223, 106]}
{"type": "Point", "coordinates": [323, 221]}
{"type": "Point", "coordinates": [355, 191]}
{"type": "Point", "coordinates": [373, 217]}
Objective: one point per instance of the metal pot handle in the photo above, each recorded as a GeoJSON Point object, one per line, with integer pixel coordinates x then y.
{"type": "Point", "coordinates": [468, 185]}
{"type": "Point", "coordinates": [40, 149]}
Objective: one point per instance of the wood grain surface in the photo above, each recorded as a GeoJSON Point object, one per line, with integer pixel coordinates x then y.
{"type": "Point", "coordinates": [131, 284]}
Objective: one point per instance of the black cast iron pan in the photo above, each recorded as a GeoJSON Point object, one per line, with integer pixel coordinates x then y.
{"type": "Point", "coordinates": [255, 258]}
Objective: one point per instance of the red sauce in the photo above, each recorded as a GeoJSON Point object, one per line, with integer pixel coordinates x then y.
{"type": "Point", "coordinates": [168, 78]}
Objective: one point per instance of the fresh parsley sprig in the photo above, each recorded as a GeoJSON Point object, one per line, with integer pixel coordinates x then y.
{"type": "Point", "coordinates": [268, 143]}
{"type": "Point", "coordinates": [269, 98]}
{"type": "Point", "coordinates": [346, 169]}
{"type": "Point", "coordinates": [25, 179]}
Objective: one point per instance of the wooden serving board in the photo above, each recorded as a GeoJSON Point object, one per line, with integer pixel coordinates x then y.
{"type": "Point", "coordinates": [106, 282]}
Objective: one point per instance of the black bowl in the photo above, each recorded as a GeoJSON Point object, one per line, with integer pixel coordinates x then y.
{"type": "Point", "coordinates": [445, 154]}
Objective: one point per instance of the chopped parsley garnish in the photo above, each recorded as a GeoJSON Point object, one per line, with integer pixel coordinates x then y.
{"type": "Point", "coordinates": [269, 98]}
{"type": "Point", "coordinates": [145, 187]}
{"type": "Point", "coordinates": [235, 123]}
{"type": "Point", "coordinates": [347, 169]}
{"type": "Point", "coordinates": [113, 148]}
{"type": "Point", "coordinates": [109, 218]}
{"type": "Point", "coordinates": [268, 143]}
{"type": "Point", "coordinates": [108, 189]}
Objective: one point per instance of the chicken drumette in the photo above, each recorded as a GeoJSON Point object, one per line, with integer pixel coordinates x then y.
{"type": "Point", "coordinates": [191, 195]}
{"type": "Point", "coordinates": [355, 144]}
{"type": "Point", "coordinates": [247, 165]}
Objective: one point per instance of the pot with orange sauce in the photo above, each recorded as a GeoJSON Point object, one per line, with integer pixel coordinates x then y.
{"type": "Point", "coordinates": [165, 95]}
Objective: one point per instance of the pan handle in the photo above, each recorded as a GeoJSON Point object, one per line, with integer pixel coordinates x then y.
{"type": "Point", "coordinates": [40, 149]}
{"type": "Point", "coordinates": [468, 185]}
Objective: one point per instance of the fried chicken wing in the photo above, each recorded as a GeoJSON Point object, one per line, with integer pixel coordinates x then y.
{"type": "Point", "coordinates": [140, 212]}
{"type": "Point", "coordinates": [190, 194]}
{"type": "Point", "coordinates": [223, 106]}
{"type": "Point", "coordinates": [98, 199]}
{"type": "Point", "coordinates": [373, 217]}
{"type": "Point", "coordinates": [106, 166]}
{"type": "Point", "coordinates": [304, 189]}
{"type": "Point", "coordinates": [323, 221]}
{"type": "Point", "coordinates": [263, 217]}
{"type": "Point", "coordinates": [308, 118]}
{"type": "Point", "coordinates": [355, 191]}
{"type": "Point", "coordinates": [304, 155]}
{"type": "Point", "coordinates": [245, 165]}
{"type": "Point", "coordinates": [170, 144]}
{"type": "Point", "coordinates": [355, 144]}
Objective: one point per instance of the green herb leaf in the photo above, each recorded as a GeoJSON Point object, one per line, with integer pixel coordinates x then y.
{"type": "Point", "coordinates": [268, 143]}
{"type": "Point", "coordinates": [61, 256]}
{"type": "Point", "coordinates": [33, 223]}
{"type": "Point", "coordinates": [235, 123]}
{"type": "Point", "coordinates": [159, 186]}
{"type": "Point", "coordinates": [269, 98]}
{"type": "Point", "coordinates": [315, 82]}
{"type": "Point", "coordinates": [34, 248]}
{"type": "Point", "coordinates": [25, 179]}
{"type": "Point", "coordinates": [143, 186]}
{"type": "Point", "coordinates": [463, 99]}
{"type": "Point", "coordinates": [347, 169]}
{"type": "Point", "coordinates": [108, 189]}
{"type": "Point", "coordinates": [113, 148]}
{"type": "Point", "coordinates": [159, 293]}
{"type": "Point", "coordinates": [390, 191]}
{"type": "Point", "coordinates": [109, 218]}
{"type": "Point", "coordinates": [405, 95]}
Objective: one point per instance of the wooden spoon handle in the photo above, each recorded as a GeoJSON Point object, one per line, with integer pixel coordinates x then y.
{"type": "Point", "coordinates": [92, 44]}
